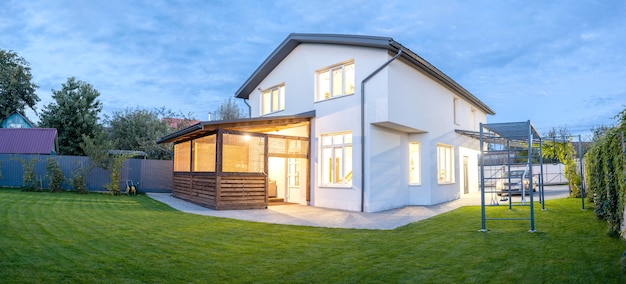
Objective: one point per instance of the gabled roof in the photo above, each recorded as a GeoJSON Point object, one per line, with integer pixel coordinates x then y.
{"type": "Point", "coordinates": [294, 39]}
{"type": "Point", "coordinates": [28, 141]}
{"type": "Point", "coordinates": [16, 118]}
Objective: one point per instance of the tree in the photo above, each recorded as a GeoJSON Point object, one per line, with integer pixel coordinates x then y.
{"type": "Point", "coordinates": [228, 110]}
{"type": "Point", "coordinates": [558, 147]}
{"type": "Point", "coordinates": [139, 129]}
{"type": "Point", "coordinates": [16, 89]}
{"type": "Point", "coordinates": [74, 114]}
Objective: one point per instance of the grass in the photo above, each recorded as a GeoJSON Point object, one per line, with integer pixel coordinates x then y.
{"type": "Point", "coordinates": [97, 238]}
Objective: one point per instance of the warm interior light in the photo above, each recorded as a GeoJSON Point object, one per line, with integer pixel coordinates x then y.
{"type": "Point", "coordinates": [246, 138]}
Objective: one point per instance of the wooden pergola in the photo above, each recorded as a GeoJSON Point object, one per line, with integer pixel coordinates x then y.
{"type": "Point", "coordinates": [223, 165]}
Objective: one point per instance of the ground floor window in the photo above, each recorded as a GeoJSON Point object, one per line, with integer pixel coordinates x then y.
{"type": "Point", "coordinates": [415, 167]}
{"type": "Point", "coordinates": [337, 159]}
{"type": "Point", "coordinates": [445, 164]}
{"type": "Point", "coordinates": [182, 156]}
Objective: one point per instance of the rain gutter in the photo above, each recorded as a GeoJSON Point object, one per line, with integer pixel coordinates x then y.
{"type": "Point", "coordinates": [363, 124]}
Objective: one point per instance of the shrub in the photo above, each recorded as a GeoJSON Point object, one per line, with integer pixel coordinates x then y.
{"type": "Point", "coordinates": [29, 179]}
{"type": "Point", "coordinates": [606, 177]}
{"type": "Point", "coordinates": [77, 180]}
{"type": "Point", "coordinates": [115, 167]}
{"type": "Point", "coordinates": [55, 174]}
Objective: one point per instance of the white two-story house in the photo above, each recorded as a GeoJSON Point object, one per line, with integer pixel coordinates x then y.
{"type": "Point", "coordinates": [361, 123]}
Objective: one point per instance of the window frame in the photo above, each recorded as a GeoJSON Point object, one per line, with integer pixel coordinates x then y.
{"type": "Point", "coordinates": [445, 171]}
{"type": "Point", "coordinates": [415, 163]}
{"type": "Point", "coordinates": [346, 87]}
{"type": "Point", "coordinates": [280, 105]}
{"type": "Point", "coordinates": [293, 172]}
{"type": "Point", "coordinates": [345, 169]}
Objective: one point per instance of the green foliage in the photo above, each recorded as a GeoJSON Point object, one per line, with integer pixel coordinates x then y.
{"type": "Point", "coordinates": [55, 174]}
{"type": "Point", "coordinates": [557, 146]}
{"type": "Point", "coordinates": [228, 110]}
{"type": "Point", "coordinates": [115, 167]}
{"type": "Point", "coordinates": [16, 89]}
{"type": "Point", "coordinates": [139, 129]}
{"type": "Point", "coordinates": [29, 179]}
{"type": "Point", "coordinates": [606, 176]}
{"type": "Point", "coordinates": [77, 180]}
{"type": "Point", "coordinates": [74, 114]}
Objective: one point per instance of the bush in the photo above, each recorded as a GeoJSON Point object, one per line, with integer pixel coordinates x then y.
{"type": "Point", "coordinates": [115, 167]}
{"type": "Point", "coordinates": [77, 180]}
{"type": "Point", "coordinates": [55, 174]}
{"type": "Point", "coordinates": [29, 180]}
{"type": "Point", "coordinates": [606, 177]}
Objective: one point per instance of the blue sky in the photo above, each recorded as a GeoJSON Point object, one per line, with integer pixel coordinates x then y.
{"type": "Point", "coordinates": [555, 63]}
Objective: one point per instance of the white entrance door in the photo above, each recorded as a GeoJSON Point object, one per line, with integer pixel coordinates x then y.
{"type": "Point", "coordinates": [294, 180]}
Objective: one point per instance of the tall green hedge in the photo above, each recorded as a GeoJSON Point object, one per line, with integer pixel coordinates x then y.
{"type": "Point", "coordinates": [606, 176]}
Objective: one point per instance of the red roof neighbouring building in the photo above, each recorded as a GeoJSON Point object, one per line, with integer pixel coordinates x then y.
{"type": "Point", "coordinates": [28, 141]}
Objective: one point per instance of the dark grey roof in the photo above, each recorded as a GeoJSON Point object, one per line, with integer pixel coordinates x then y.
{"type": "Point", "coordinates": [294, 39]}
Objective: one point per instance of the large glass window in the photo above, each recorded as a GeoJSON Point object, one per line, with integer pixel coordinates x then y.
{"type": "Point", "coordinates": [337, 159]}
{"type": "Point", "coordinates": [335, 81]}
{"type": "Point", "coordinates": [204, 154]}
{"type": "Point", "coordinates": [243, 153]}
{"type": "Point", "coordinates": [445, 164]}
{"type": "Point", "coordinates": [182, 157]}
{"type": "Point", "coordinates": [415, 166]}
{"type": "Point", "coordinates": [273, 99]}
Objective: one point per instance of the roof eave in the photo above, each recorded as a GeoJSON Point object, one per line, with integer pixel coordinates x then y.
{"type": "Point", "coordinates": [294, 39]}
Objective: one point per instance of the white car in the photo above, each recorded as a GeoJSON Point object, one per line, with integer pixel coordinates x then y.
{"type": "Point", "coordinates": [503, 187]}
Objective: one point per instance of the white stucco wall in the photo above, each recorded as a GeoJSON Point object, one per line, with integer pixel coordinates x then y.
{"type": "Point", "coordinates": [398, 94]}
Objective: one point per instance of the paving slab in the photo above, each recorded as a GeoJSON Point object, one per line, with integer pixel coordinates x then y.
{"type": "Point", "coordinates": [302, 215]}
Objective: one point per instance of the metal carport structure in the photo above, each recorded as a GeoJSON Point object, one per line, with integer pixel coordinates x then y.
{"type": "Point", "coordinates": [517, 135]}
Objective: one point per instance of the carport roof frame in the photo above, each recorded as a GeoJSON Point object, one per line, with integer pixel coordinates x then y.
{"type": "Point", "coordinates": [511, 131]}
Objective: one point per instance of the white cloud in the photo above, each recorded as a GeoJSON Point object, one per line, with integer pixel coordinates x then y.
{"type": "Point", "coordinates": [190, 56]}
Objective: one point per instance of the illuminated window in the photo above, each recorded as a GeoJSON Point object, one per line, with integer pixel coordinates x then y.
{"type": "Point", "coordinates": [455, 110]}
{"type": "Point", "coordinates": [415, 170]}
{"type": "Point", "coordinates": [204, 154]}
{"type": "Point", "coordinates": [182, 157]}
{"type": "Point", "coordinates": [337, 159]}
{"type": "Point", "coordinates": [335, 81]}
{"type": "Point", "coordinates": [243, 153]}
{"type": "Point", "coordinates": [273, 99]}
{"type": "Point", "coordinates": [445, 164]}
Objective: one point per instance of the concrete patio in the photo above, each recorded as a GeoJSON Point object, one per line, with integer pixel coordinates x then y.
{"type": "Point", "coordinates": [321, 217]}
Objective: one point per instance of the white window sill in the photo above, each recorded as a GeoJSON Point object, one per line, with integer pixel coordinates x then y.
{"type": "Point", "coordinates": [269, 113]}
{"type": "Point", "coordinates": [340, 186]}
{"type": "Point", "coordinates": [335, 97]}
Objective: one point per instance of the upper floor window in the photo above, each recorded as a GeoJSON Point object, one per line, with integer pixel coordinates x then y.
{"type": "Point", "coordinates": [337, 159]}
{"type": "Point", "coordinates": [335, 81]}
{"type": "Point", "coordinates": [273, 99]}
{"type": "Point", "coordinates": [455, 111]}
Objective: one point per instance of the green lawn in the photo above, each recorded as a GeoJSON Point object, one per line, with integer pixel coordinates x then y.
{"type": "Point", "coordinates": [97, 238]}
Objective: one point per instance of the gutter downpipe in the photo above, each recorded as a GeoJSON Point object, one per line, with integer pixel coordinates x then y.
{"type": "Point", "coordinates": [363, 124]}
{"type": "Point", "coordinates": [245, 101]}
